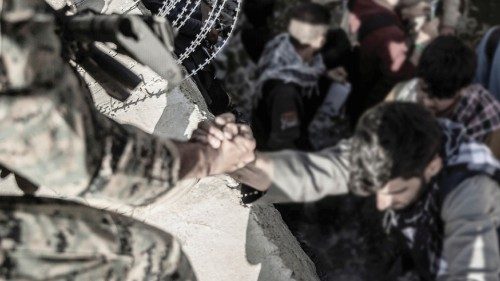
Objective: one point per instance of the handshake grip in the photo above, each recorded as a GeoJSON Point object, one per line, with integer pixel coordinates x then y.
{"type": "Point", "coordinates": [146, 39]}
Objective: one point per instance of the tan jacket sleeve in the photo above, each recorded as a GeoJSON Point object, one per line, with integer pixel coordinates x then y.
{"type": "Point", "coordinates": [471, 214]}
{"type": "Point", "coordinates": [305, 177]}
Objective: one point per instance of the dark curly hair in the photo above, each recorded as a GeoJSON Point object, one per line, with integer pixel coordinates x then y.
{"type": "Point", "coordinates": [447, 65]}
{"type": "Point", "coordinates": [392, 140]}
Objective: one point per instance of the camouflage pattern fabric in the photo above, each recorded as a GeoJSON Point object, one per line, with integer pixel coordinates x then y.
{"type": "Point", "coordinates": [51, 239]}
{"type": "Point", "coordinates": [51, 135]}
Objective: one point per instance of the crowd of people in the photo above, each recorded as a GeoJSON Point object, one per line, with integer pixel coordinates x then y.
{"type": "Point", "coordinates": [422, 141]}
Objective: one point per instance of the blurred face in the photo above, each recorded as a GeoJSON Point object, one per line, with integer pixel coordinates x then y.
{"type": "Point", "coordinates": [399, 193]}
{"type": "Point", "coordinates": [438, 106]}
{"type": "Point", "coordinates": [313, 35]}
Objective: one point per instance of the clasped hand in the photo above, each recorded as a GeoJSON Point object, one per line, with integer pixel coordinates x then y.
{"type": "Point", "coordinates": [233, 144]}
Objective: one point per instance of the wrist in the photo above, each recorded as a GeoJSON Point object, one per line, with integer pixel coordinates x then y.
{"type": "Point", "coordinates": [193, 160]}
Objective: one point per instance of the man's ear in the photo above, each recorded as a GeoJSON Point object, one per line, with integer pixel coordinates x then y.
{"type": "Point", "coordinates": [433, 168]}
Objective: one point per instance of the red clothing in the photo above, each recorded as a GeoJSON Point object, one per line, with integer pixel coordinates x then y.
{"type": "Point", "coordinates": [383, 54]}
{"type": "Point", "coordinates": [388, 43]}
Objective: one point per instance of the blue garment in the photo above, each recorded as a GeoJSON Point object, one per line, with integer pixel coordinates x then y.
{"type": "Point", "coordinates": [488, 73]}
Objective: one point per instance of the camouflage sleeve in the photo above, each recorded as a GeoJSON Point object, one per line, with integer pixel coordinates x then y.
{"type": "Point", "coordinates": [53, 239]}
{"type": "Point", "coordinates": [135, 167]}
{"type": "Point", "coordinates": [56, 138]}
{"type": "Point", "coordinates": [50, 132]}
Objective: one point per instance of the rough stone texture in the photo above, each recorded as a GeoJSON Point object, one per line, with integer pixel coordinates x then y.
{"type": "Point", "coordinates": [224, 239]}
{"type": "Point", "coordinates": [172, 114]}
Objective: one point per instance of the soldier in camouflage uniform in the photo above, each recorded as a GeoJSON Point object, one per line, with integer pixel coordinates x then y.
{"type": "Point", "coordinates": [51, 135]}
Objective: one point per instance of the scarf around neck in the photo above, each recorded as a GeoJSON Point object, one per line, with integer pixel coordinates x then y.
{"type": "Point", "coordinates": [479, 111]}
{"type": "Point", "coordinates": [280, 61]}
{"type": "Point", "coordinates": [421, 223]}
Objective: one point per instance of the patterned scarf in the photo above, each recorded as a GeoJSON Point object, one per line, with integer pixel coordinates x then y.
{"type": "Point", "coordinates": [421, 224]}
{"type": "Point", "coordinates": [479, 111]}
{"type": "Point", "coordinates": [280, 61]}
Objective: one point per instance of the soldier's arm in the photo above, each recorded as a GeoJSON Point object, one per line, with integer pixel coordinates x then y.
{"type": "Point", "coordinates": [56, 138]}
{"type": "Point", "coordinates": [52, 135]}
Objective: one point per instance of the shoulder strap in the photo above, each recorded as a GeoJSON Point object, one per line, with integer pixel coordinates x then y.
{"type": "Point", "coordinates": [450, 178]}
{"type": "Point", "coordinates": [375, 22]}
{"type": "Point", "coordinates": [491, 44]}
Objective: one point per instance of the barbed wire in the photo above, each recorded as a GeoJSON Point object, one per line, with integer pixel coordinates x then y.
{"type": "Point", "coordinates": [181, 16]}
{"type": "Point", "coordinates": [209, 23]}
{"type": "Point", "coordinates": [116, 106]}
{"type": "Point", "coordinates": [186, 18]}
{"type": "Point", "coordinates": [222, 45]}
{"type": "Point", "coordinates": [167, 7]}
{"type": "Point", "coordinates": [207, 26]}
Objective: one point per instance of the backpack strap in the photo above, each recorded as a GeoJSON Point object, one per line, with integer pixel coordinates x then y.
{"type": "Point", "coordinates": [491, 44]}
{"type": "Point", "coordinates": [451, 178]}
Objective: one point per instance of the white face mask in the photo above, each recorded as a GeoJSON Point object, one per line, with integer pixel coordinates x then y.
{"type": "Point", "coordinates": [307, 33]}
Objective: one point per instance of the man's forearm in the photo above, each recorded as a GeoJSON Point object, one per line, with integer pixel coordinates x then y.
{"type": "Point", "coordinates": [293, 176]}
{"type": "Point", "coordinates": [257, 174]}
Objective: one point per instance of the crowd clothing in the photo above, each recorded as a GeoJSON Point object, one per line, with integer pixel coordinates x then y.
{"type": "Point", "coordinates": [468, 166]}
{"type": "Point", "coordinates": [447, 10]}
{"type": "Point", "coordinates": [451, 13]}
{"type": "Point", "coordinates": [477, 110]}
{"type": "Point", "coordinates": [186, 33]}
{"type": "Point", "coordinates": [256, 33]}
{"type": "Point", "coordinates": [383, 56]}
{"type": "Point", "coordinates": [488, 68]}
{"type": "Point", "coordinates": [287, 96]}
{"type": "Point", "coordinates": [337, 50]}
{"type": "Point", "coordinates": [329, 124]}
{"type": "Point", "coordinates": [452, 232]}
{"type": "Point", "coordinates": [280, 61]}
{"type": "Point", "coordinates": [282, 116]}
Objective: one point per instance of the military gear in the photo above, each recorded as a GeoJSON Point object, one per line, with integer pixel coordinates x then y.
{"type": "Point", "coordinates": [52, 135]}
{"type": "Point", "coordinates": [51, 239]}
{"type": "Point", "coordinates": [132, 34]}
